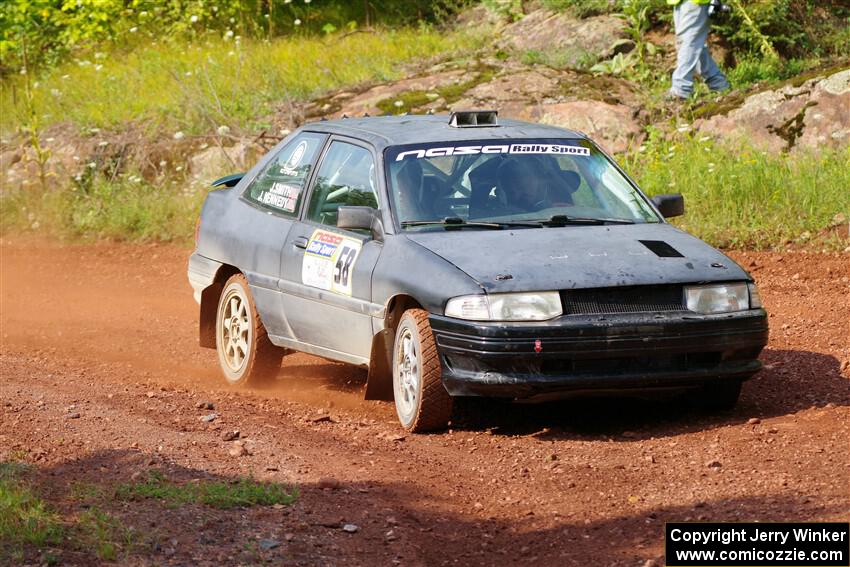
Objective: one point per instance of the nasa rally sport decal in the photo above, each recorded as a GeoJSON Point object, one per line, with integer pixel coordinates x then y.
{"type": "Point", "coordinates": [552, 149]}
{"type": "Point", "coordinates": [329, 261]}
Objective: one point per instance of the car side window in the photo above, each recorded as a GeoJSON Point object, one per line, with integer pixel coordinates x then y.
{"type": "Point", "coordinates": [346, 177]}
{"type": "Point", "coordinates": [279, 187]}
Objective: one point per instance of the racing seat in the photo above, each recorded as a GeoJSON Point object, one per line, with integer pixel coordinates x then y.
{"type": "Point", "coordinates": [562, 193]}
{"type": "Point", "coordinates": [414, 203]}
{"type": "Point", "coordinates": [484, 194]}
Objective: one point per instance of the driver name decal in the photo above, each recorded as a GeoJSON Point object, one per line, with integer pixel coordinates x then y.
{"type": "Point", "coordinates": [329, 261]}
{"type": "Point", "coordinates": [282, 196]}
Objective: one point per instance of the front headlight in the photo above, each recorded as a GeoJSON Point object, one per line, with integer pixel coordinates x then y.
{"type": "Point", "coordinates": [717, 298]}
{"type": "Point", "coordinates": [537, 306]}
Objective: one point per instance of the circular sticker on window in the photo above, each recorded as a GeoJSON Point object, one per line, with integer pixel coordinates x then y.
{"type": "Point", "coordinates": [296, 157]}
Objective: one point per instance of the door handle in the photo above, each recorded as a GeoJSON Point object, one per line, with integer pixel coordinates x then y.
{"type": "Point", "coordinates": [300, 242]}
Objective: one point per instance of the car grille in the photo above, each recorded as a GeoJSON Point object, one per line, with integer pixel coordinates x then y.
{"type": "Point", "coordinates": [636, 299]}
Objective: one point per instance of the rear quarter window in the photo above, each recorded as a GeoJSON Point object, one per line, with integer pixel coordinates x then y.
{"type": "Point", "coordinates": [280, 186]}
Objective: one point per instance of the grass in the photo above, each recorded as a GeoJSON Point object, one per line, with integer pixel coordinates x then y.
{"type": "Point", "coordinates": [127, 208]}
{"type": "Point", "coordinates": [25, 519]}
{"type": "Point", "coordinates": [104, 534]}
{"type": "Point", "coordinates": [176, 86]}
{"type": "Point", "coordinates": [747, 198]}
{"type": "Point", "coordinates": [29, 527]}
{"type": "Point", "coordinates": [224, 495]}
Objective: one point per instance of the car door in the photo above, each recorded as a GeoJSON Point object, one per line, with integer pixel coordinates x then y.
{"type": "Point", "coordinates": [278, 192]}
{"type": "Point", "coordinates": [327, 271]}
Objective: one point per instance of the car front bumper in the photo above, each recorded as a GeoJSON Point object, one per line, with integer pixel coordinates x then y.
{"type": "Point", "coordinates": [596, 353]}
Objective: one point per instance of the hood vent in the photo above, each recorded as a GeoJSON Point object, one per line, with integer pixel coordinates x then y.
{"type": "Point", "coordinates": [661, 249]}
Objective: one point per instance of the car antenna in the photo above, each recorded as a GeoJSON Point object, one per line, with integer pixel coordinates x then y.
{"type": "Point", "coordinates": [324, 118]}
{"type": "Point", "coordinates": [344, 116]}
{"type": "Point", "coordinates": [365, 115]}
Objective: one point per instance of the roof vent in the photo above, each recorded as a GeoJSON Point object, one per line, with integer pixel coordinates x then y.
{"type": "Point", "coordinates": [474, 119]}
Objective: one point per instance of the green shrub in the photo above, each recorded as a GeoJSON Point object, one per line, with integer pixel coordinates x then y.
{"type": "Point", "coordinates": [752, 69]}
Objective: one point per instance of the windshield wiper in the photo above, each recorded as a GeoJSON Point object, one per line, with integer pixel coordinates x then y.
{"type": "Point", "coordinates": [564, 220]}
{"type": "Point", "coordinates": [457, 222]}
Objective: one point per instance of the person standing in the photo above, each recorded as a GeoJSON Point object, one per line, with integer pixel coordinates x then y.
{"type": "Point", "coordinates": [691, 21]}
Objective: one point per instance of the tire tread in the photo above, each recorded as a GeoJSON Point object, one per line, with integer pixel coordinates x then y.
{"type": "Point", "coordinates": [435, 406]}
{"type": "Point", "coordinates": [264, 360]}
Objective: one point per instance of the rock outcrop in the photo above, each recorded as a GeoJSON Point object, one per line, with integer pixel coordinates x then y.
{"type": "Point", "coordinates": [577, 40]}
{"type": "Point", "coordinates": [814, 114]}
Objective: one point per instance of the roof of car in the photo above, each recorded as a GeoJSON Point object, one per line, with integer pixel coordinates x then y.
{"type": "Point", "coordinates": [383, 131]}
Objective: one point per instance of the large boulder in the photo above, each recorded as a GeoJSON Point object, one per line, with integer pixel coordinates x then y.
{"type": "Point", "coordinates": [577, 40]}
{"type": "Point", "coordinates": [827, 120]}
{"type": "Point", "coordinates": [614, 126]}
{"type": "Point", "coordinates": [810, 115]}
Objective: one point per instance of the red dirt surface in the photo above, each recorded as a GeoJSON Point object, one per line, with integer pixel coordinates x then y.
{"type": "Point", "coordinates": [106, 333]}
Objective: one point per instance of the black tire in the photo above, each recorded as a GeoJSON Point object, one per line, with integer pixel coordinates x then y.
{"type": "Point", "coordinates": [245, 354]}
{"type": "Point", "coordinates": [423, 404]}
{"type": "Point", "coordinates": [718, 395]}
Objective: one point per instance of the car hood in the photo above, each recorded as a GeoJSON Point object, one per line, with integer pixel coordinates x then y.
{"type": "Point", "coordinates": [575, 257]}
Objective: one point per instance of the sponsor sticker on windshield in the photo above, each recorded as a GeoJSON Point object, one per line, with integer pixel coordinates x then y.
{"type": "Point", "coordinates": [550, 149]}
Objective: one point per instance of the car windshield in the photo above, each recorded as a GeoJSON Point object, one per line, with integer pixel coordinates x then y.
{"type": "Point", "coordinates": [547, 181]}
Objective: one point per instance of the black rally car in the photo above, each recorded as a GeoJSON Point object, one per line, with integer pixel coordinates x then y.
{"type": "Point", "coordinates": [463, 256]}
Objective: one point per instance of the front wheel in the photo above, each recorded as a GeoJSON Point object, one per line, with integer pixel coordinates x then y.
{"type": "Point", "coordinates": [245, 353]}
{"type": "Point", "coordinates": [421, 401]}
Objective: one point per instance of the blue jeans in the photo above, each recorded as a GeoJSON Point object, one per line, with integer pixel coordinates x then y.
{"type": "Point", "coordinates": [691, 22]}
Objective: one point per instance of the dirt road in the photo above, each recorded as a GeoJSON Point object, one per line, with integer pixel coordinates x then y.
{"type": "Point", "coordinates": [100, 376]}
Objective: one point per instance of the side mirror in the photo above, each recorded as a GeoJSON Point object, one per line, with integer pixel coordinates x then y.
{"type": "Point", "coordinates": [354, 217]}
{"type": "Point", "coordinates": [670, 205]}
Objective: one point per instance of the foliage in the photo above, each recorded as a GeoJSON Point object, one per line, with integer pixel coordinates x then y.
{"type": "Point", "coordinates": [53, 29]}
{"type": "Point", "coordinates": [745, 198]}
{"type": "Point", "coordinates": [752, 69]}
{"type": "Point", "coordinates": [635, 64]}
{"type": "Point", "coordinates": [195, 87]}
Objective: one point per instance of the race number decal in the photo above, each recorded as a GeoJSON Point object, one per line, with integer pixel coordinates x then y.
{"type": "Point", "coordinates": [329, 261]}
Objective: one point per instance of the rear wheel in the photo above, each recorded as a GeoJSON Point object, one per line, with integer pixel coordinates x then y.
{"type": "Point", "coordinates": [421, 401]}
{"type": "Point", "coordinates": [718, 395]}
{"type": "Point", "coordinates": [245, 353]}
